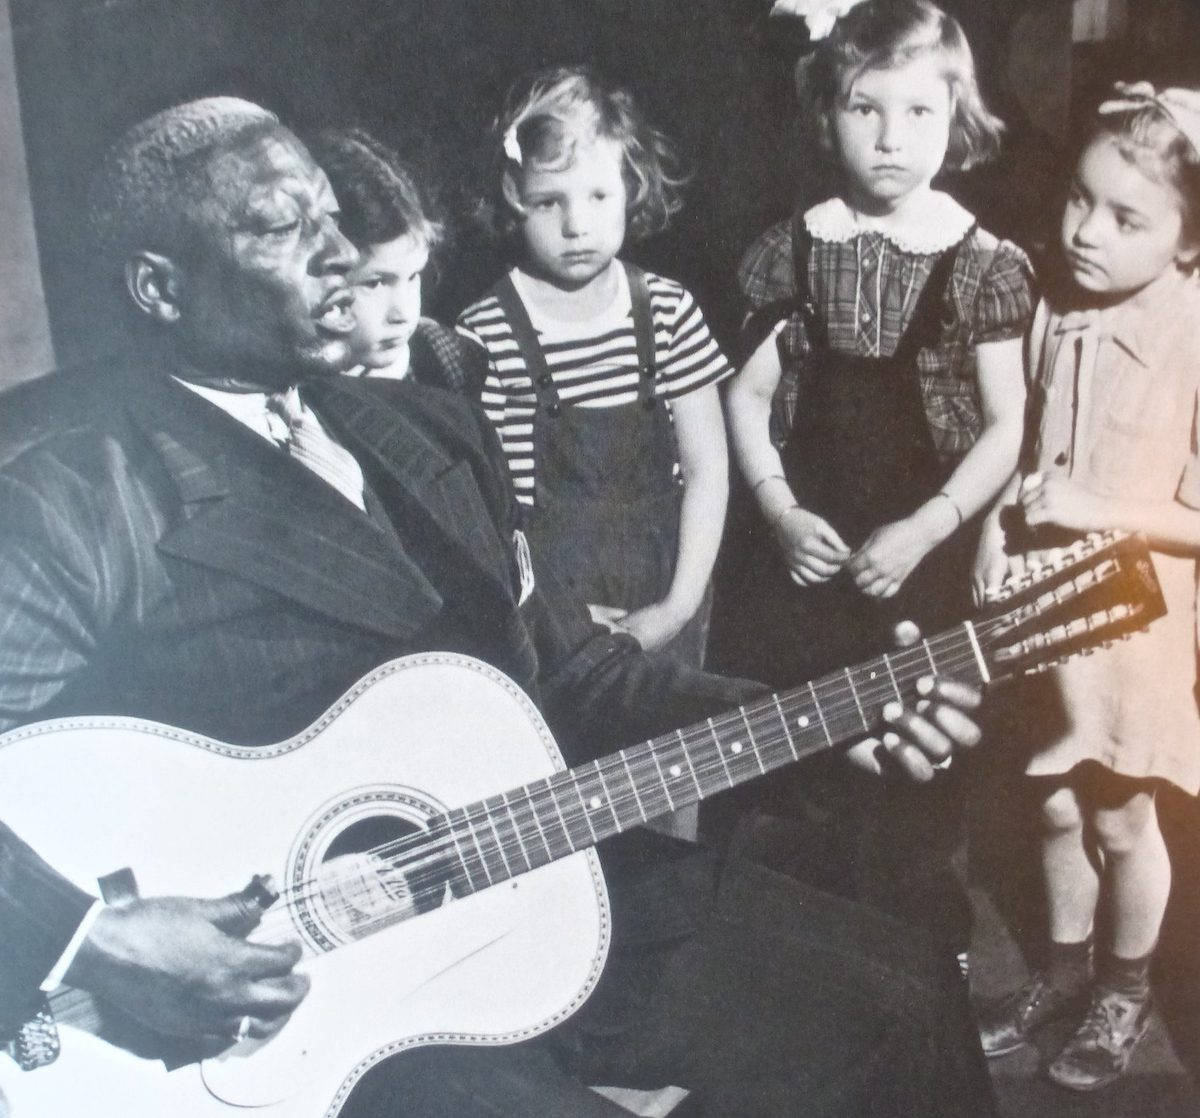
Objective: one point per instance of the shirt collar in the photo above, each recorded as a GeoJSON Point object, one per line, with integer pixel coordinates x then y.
{"type": "Point", "coordinates": [1148, 325]}
{"type": "Point", "coordinates": [248, 408]}
{"type": "Point", "coordinates": [935, 227]}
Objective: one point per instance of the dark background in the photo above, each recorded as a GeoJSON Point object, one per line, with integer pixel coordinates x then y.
{"type": "Point", "coordinates": [428, 75]}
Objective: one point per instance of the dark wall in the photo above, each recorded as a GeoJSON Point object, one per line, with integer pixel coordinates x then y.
{"type": "Point", "coordinates": [427, 75]}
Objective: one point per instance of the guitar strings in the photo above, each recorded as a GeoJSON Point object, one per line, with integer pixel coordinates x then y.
{"type": "Point", "coordinates": [515, 853]}
{"type": "Point", "coordinates": [432, 853]}
{"type": "Point", "coordinates": [431, 848]}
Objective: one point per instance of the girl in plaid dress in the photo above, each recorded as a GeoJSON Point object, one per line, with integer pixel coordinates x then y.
{"type": "Point", "coordinates": [880, 408]}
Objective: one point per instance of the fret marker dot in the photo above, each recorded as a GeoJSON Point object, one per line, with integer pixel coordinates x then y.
{"type": "Point", "coordinates": [594, 802]}
{"type": "Point", "coordinates": [802, 721]}
{"type": "Point", "coordinates": [874, 674]}
{"type": "Point", "coordinates": [675, 770]}
{"type": "Point", "coordinates": [736, 747]}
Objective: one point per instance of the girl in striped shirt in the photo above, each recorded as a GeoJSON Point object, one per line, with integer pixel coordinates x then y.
{"type": "Point", "coordinates": [602, 378]}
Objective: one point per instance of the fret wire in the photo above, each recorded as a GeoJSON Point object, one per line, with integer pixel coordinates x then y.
{"type": "Point", "coordinates": [471, 830]}
{"type": "Point", "coordinates": [569, 815]}
{"type": "Point", "coordinates": [720, 752]}
{"type": "Point", "coordinates": [787, 732]}
{"type": "Point", "coordinates": [753, 743]}
{"type": "Point", "coordinates": [633, 784]}
{"type": "Point", "coordinates": [587, 815]}
{"type": "Point", "coordinates": [653, 787]}
{"type": "Point", "coordinates": [452, 830]}
{"type": "Point", "coordinates": [517, 828]}
{"type": "Point", "coordinates": [929, 653]}
{"type": "Point", "coordinates": [619, 799]}
{"type": "Point", "coordinates": [662, 779]}
{"type": "Point", "coordinates": [609, 800]}
{"type": "Point", "coordinates": [691, 768]}
{"type": "Point", "coordinates": [887, 663]}
{"type": "Point", "coordinates": [812, 690]}
{"type": "Point", "coordinates": [491, 821]}
{"type": "Point", "coordinates": [854, 695]}
{"type": "Point", "coordinates": [543, 798]}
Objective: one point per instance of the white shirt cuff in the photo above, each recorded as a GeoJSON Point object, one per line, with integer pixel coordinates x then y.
{"type": "Point", "coordinates": [55, 978]}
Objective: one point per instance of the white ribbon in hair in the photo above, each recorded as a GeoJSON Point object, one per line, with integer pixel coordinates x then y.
{"type": "Point", "coordinates": [512, 146]}
{"type": "Point", "coordinates": [820, 15]}
{"type": "Point", "coordinates": [1180, 106]}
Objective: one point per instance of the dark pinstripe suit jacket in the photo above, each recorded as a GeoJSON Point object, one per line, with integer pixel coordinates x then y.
{"type": "Point", "coordinates": [157, 559]}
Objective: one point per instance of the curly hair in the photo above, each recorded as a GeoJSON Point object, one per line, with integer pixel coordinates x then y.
{"type": "Point", "coordinates": [549, 115]}
{"type": "Point", "coordinates": [1148, 138]}
{"type": "Point", "coordinates": [885, 33]}
{"type": "Point", "coordinates": [378, 197]}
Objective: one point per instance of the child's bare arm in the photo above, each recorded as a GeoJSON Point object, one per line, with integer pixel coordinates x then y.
{"type": "Point", "coordinates": [704, 462]}
{"type": "Point", "coordinates": [813, 551]}
{"type": "Point", "coordinates": [889, 555]}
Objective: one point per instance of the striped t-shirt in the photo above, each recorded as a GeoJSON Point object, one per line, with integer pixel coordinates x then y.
{"type": "Point", "coordinates": [594, 363]}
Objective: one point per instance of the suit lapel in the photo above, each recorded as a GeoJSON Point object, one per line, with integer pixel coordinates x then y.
{"type": "Point", "coordinates": [439, 489]}
{"type": "Point", "coordinates": [254, 513]}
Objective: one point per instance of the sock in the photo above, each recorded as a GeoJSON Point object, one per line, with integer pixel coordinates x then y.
{"type": "Point", "coordinates": [1068, 965]}
{"type": "Point", "coordinates": [1130, 977]}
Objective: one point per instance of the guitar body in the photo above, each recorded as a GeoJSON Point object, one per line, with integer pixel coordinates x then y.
{"type": "Point", "coordinates": [196, 817]}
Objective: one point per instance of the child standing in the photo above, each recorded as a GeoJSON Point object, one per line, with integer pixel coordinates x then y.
{"type": "Point", "coordinates": [879, 410]}
{"type": "Point", "coordinates": [602, 378]}
{"type": "Point", "coordinates": [1115, 376]}
{"type": "Point", "coordinates": [383, 216]}
{"type": "Point", "coordinates": [884, 407]}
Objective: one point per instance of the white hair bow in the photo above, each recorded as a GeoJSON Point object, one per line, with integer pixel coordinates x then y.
{"type": "Point", "coordinates": [1180, 106]}
{"type": "Point", "coordinates": [819, 15]}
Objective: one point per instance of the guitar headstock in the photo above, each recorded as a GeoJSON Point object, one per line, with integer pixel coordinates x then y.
{"type": "Point", "coordinates": [1099, 589]}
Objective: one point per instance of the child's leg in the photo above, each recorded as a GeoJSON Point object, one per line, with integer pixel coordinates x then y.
{"type": "Point", "coordinates": [1069, 868]}
{"type": "Point", "coordinates": [1137, 872]}
{"type": "Point", "coordinates": [1137, 878]}
{"type": "Point", "coordinates": [1058, 985]}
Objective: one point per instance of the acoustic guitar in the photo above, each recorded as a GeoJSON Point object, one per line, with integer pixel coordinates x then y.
{"type": "Point", "coordinates": [432, 852]}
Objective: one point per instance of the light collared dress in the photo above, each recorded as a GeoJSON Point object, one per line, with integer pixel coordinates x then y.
{"type": "Point", "coordinates": [1114, 393]}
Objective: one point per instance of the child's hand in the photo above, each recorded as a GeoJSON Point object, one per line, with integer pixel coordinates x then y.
{"type": "Point", "coordinates": [813, 551]}
{"type": "Point", "coordinates": [611, 617]}
{"type": "Point", "coordinates": [1053, 499]}
{"type": "Point", "coordinates": [992, 562]}
{"type": "Point", "coordinates": [890, 553]}
{"type": "Point", "coordinates": [654, 625]}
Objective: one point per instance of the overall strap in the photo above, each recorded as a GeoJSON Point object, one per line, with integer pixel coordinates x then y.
{"type": "Point", "coordinates": [814, 325]}
{"type": "Point", "coordinates": [643, 332]}
{"type": "Point", "coordinates": [925, 326]}
{"type": "Point", "coordinates": [527, 341]}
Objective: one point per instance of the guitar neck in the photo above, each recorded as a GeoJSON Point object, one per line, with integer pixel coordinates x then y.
{"type": "Point", "coordinates": [520, 830]}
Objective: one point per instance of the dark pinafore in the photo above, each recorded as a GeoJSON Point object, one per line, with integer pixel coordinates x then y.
{"type": "Point", "coordinates": [860, 454]}
{"type": "Point", "coordinates": [607, 495]}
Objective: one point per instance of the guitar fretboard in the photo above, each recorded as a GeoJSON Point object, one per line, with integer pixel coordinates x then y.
{"type": "Point", "coordinates": [527, 827]}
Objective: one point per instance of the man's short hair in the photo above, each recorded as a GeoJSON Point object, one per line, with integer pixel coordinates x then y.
{"type": "Point", "coordinates": [154, 177]}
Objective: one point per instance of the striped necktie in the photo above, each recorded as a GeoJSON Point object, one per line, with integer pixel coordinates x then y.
{"type": "Point", "coordinates": [309, 443]}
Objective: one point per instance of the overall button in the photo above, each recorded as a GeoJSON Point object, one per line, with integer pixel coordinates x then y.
{"type": "Point", "coordinates": [545, 380]}
{"type": "Point", "coordinates": [1060, 459]}
{"type": "Point", "coordinates": [554, 409]}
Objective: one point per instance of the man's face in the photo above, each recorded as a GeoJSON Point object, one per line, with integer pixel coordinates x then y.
{"type": "Point", "coordinates": [264, 299]}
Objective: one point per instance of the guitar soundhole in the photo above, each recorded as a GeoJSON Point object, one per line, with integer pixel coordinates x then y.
{"type": "Point", "coordinates": [379, 870]}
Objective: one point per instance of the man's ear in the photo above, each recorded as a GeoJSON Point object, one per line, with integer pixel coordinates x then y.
{"type": "Point", "coordinates": [154, 283]}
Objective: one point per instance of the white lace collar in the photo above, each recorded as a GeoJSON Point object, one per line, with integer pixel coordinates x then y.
{"type": "Point", "coordinates": [936, 227]}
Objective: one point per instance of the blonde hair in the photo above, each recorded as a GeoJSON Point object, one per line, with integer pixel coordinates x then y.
{"type": "Point", "coordinates": [549, 115]}
{"type": "Point", "coordinates": [881, 34]}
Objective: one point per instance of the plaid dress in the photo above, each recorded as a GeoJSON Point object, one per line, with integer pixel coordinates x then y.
{"type": "Point", "coordinates": [866, 285]}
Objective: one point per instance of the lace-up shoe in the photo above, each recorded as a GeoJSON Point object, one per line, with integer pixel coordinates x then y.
{"type": "Point", "coordinates": [1005, 1025]}
{"type": "Point", "coordinates": [1102, 1046]}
